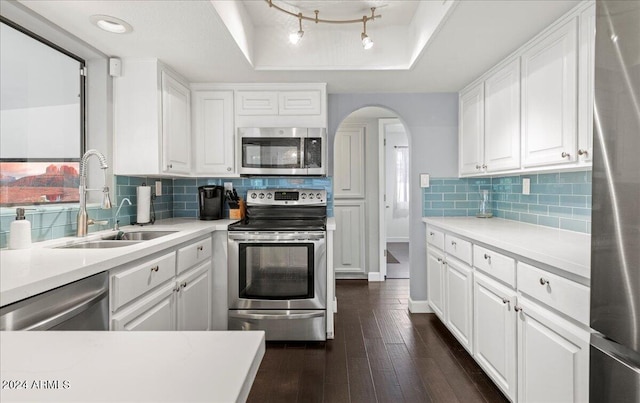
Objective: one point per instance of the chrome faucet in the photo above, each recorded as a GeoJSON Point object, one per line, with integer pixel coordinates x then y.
{"type": "Point", "coordinates": [83, 218]}
{"type": "Point", "coordinates": [116, 225]}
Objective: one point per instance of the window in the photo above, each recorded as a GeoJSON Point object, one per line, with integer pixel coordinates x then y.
{"type": "Point", "coordinates": [41, 119]}
{"type": "Point", "coordinates": [401, 205]}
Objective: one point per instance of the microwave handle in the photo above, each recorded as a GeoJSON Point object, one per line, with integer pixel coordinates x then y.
{"type": "Point", "coordinates": [303, 160]}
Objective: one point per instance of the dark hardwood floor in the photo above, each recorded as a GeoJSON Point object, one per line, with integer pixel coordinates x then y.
{"type": "Point", "coordinates": [381, 353]}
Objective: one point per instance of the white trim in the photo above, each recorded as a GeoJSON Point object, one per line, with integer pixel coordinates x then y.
{"type": "Point", "coordinates": [335, 305]}
{"type": "Point", "coordinates": [398, 239]}
{"type": "Point", "coordinates": [382, 188]}
{"type": "Point", "coordinates": [419, 306]}
{"type": "Point", "coordinates": [375, 276]}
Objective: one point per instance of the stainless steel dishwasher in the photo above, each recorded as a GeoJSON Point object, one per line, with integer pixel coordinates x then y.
{"type": "Point", "coordinates": [81, 305]}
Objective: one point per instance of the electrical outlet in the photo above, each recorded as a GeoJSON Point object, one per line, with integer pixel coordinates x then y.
{"type": "Point", "coordinates": [424, 180]}
{"type": "Point", "coordinates": [158, 188]}
{"type": "Point", "coordinates": [526, 186]}
{"type": "Point", "coordinates": [228, 186]}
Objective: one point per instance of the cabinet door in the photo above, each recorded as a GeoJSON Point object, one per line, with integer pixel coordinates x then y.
{"type": "Point", "coordinates": [194, 298]}
{"type": "Point", "coordinates": [549, 101]}
{"type": "Point", "coordinates": [348, 256]}
{"type": "Point", "coordinates": [471, 130]}
{"type": "Point", "coordinates": [435, 282]}
{"type": "Point", "coordinates": [176, 129]}
{"type": "Point", "coordinates": [586, 84]}
{"type": "Point", "coordinates": [349, 162]}
{"type": "Point", "coordinates": [459, 301]}
{"type": "Point", "coordinates": [502, 119]}
{"type": "Point", "coordinates": [256, 103]}
{"type": "Point", "coordinates": [213, 132]}
{"type": "Point", "coordinates": [494, 332]}
{"type": "Point", "coordinates": [553, 357]}
{"type": "Point", "coordinates": [155, 312]}
{"type": "Point", "coordinates": [299, 103]}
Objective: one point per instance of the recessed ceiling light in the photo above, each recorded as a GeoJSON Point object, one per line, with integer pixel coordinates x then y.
{"type": "Point", "coordinates": [111, 24]}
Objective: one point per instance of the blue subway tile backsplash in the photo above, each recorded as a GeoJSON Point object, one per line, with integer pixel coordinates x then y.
{"type": "Point", "coordinates": [557, 199]}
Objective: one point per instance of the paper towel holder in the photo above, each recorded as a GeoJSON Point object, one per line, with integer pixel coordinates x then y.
{"type": "Point", "coordinates": [151, 208]}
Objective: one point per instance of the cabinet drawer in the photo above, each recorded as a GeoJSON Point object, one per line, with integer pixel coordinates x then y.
{"type": "Point", "coordinates": [495, 264]}
{"type": "Point", "coordinates": [458, 248]}
{"type": "Point", "coordinates": [134, 282]}
{"type": "Point", "coordinates": [435, 238]}
{"type": "Point", "coordinates": [193, 254]}
{"type": "Point", "coordinates": [557, 292]}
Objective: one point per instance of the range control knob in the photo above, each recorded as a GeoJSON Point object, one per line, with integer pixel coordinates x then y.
{"type": "Point", "coordinates": [254, 195]}
{"type": "Point", "coordinates": [303, 196]}
{"type": "Point", "coordinates": [261, 195]}
{"type": "Point", "coordinates": [310, 195]}
{"type": "Point", "coordinates": [269, 196]}
{"type": "Point", "coordinates": [319, 196]}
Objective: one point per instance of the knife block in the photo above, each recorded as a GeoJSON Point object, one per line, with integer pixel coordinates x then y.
{"type": "Point", "coordinates": [238, 213]}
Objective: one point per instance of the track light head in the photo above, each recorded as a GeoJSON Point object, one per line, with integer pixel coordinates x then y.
{"type": "Point", "coordinates": [367, 43]}
{"type": "Point", "coordinates": [295, 37]}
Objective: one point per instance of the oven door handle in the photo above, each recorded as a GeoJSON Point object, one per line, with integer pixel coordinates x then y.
{"type": "Point", "coordinates": [276, 315]}
{"type": "Point", "coordinates": [276, 237]}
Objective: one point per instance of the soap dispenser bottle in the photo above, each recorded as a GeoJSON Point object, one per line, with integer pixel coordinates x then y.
{"type": "Point", "coordinates": [20, 231]}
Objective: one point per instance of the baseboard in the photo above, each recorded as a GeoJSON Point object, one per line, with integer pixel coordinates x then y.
{"type": "Point", "coordinates": [398, 239]}
{"type": "Point", "coordinates": [375, 276]}
{"type": "Point", "coordinates": [419, 306]}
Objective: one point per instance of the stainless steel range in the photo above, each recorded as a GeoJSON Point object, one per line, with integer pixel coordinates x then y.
{"type": "Point", "coordinates": [278, 265]}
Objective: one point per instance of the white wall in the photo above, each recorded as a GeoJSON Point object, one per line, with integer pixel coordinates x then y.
{"type": "Point", "coordinates": [431, 121]}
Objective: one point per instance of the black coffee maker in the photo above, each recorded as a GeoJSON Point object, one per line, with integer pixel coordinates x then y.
{"type": "Point", "coordinates": [211, 202]}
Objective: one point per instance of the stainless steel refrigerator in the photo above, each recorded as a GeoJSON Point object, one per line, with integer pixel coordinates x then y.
{"type": "Point", "coordinates": [615, 245]}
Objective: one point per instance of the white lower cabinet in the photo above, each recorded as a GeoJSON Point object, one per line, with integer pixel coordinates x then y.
{"type": "Point", "coordinates": [494, 331]}
{"type": "Point", "coordinates": [169, 292]}
{"type": "Point", "coordinates": [553, 357]}
{"type": "Point", "coordinates": [435, 282]}
{"type": "Point", "coordinates": [155, 312]}
{"type": "Point", "coordinates": [194, 299]}
{"type": "Point", "coordinates": [459, 300]}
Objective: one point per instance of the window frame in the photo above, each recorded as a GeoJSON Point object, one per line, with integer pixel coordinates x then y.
{"type": "Point", "coordinates": [83, 108]}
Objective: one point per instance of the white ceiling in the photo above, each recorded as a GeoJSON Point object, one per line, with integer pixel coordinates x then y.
{"type": "Point", "coordinates": [191, 37]}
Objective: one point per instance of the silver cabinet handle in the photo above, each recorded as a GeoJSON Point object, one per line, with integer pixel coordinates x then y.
{"type": "Point", "coordinates": [453, 243]}
{"type": "Point", "coordinates": [200, 248]}
{"type": "Point", "coordinates": [487, 258]}
{"type": "Point", "coordinates": [517, 308]}
{"type": "Point", "coordinates": [155, 268]}
{"type": "Point", "coordinates": [431, 233]}
{"type": "Point", "coordinates": [439, 260]}
{"type": "Point", "coordinates": [506, 301]}
{"type": "Point", "coordinates": [478, 167]}
{"type": "Point", "coordinates": [169, 166]}
{"type": "Point", "coordinates": [484, 166]}
{"type": "Point", "coordinates": [583, 152]}
{"type": "Point", "coordinates": [544, 281]}
{"type": "Point", "coordinates": [228, 169]}
{"type": "Point", "coordinates": [565, 155]}
{"type": "Point", "coordinates": [184, 284]}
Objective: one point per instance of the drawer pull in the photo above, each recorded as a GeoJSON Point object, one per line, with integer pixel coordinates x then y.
{"type": "Point", "coordinates": [544, 281]}
{"type": "Point", "coordinates": [478, 167]}
{"type": "Point", "coordinates": [184, 284]}
{"type": "Point", "coordinates": [439, 260]}
{"type": "Point", "coordinates": [453, 243]}
{"type": "Point", "coordinates": [155, 268]}
{"type": "Point", "coordinates": [506, 300]}
{"type": "Point", "coordinates": [583, 152]}
{"type": "Point", "coordinates": [487, 258]}
{"type": "Point", "coordinates": [431, 233]}
{"type": "Point", "coordinates": [200, 248]}
{"type": "Point", "coordinates": [565, 154]}
{"type": "Point", "coordinates": [517, 308]}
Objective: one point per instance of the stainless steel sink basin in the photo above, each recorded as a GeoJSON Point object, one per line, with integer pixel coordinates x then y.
{"type": "Point", "coordinates": [145, 235]}
{"type": "Point", "coordinates": [112, 240]}
{"type": "Point", "coordinates": [99, 244]}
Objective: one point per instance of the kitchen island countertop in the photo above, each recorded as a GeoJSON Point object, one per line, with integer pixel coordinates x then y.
{"type": "Point", "coordinates": [129, 366]}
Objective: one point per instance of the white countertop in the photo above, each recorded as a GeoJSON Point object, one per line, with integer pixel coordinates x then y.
{"type": "Point", "coordinates": [566, 250]}
{"type": "Point", "coordinates": [331, 223]}
{"type": "Point", "coordinates": [27, 272]}
{"type": "Point", "coordinates": [130, 366]}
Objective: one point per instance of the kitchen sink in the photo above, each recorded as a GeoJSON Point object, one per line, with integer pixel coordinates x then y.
{"type": "Point", "coordinates": [99, 244]}
{"type": "Point", "coordinates": [145, 235]}
{"type": "Point", "coordinates": [117, 240]}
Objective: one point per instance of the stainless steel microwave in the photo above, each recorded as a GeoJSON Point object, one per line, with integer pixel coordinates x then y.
{"type": "Point", "coordinates": [282, 151]}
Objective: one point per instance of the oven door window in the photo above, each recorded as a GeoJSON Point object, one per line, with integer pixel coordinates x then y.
{"type": "Point", "coordinates": [276, 271]}
{"type": "Point", "coordinates": [271, 152]}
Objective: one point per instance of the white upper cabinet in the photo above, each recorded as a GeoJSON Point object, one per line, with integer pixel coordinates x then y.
{"type": "Point", "coordinates": [549, 102]}
{"type": "Point", "coordinates": [152, 117]}
{"type": "Point", "coordinates": [471, 130]}
{"type": "Point", "coordinates": [176, 125]}
{"type": "Point", "coordinates": [349, 162]}
{"type": "Point", "coordinates": [213, 132]}
{"type": "Point", "coordinates": [502, 118]}
{"type": "Point", "coordinates": [299, 102]}
{"type": "Point", "coordinates": [249, 103]}
{"type": "Point", "coordinates": [586, 86]}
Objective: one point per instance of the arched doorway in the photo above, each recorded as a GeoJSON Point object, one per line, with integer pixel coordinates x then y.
{"type": "Point", "coordinates": [362, 193]}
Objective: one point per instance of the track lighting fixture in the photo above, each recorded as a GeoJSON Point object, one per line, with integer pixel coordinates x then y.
{"type": "Point", "coordinates": [295, 37]}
